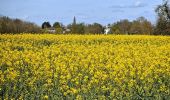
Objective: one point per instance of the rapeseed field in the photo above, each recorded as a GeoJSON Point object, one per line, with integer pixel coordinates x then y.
{"type": "Point", "coordinates": [84, 67]}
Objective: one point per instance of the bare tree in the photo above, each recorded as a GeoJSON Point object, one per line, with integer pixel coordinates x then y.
{"type": "Point", "coordinates": [163, 21]}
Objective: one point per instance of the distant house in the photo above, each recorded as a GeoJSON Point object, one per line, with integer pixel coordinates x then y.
{"type": "Point", "coordinates": [66, 30]}
{"type": "Point", "coordinates": [51, 30]}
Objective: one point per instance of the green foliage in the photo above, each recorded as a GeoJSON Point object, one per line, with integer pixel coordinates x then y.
{"type": "Point", "coordinates": [94, 28]}
{"type": "Point", "coordinates": [57, 25]}
{"type": "Point", "coordinates": [81, 28]}
{"type": "Point", "coordinates": [46, 25]}
{"type": "Point", "coordinates": [77, 28]}
{"type": "Point", "coordinates": [138, 26]}
{"type": "Point", "coordinates": [59, 30]}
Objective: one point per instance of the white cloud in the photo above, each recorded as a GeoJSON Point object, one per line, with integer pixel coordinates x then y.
{"type": "Point", "coordinates": [137, 4]}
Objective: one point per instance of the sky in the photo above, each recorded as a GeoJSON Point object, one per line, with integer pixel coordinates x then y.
{"type": "Point", "coordinates": [87, 11]}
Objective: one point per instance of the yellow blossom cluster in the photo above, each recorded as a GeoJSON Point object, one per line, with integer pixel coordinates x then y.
{"type": "Point", "coordinates": [54, 67]}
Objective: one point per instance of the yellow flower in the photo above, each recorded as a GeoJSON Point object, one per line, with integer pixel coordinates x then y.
{"type": "Point", "coordinates": [79, 97]}
{"type": "Point", "coordinates": [46, 97]}
{"type": "Point", "coordinates": [73, 65]}
{"type": "Point", "coordinates": [73, 90]}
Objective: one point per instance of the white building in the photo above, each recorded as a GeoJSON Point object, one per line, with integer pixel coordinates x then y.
{"type": "Point", "coordinates": [51, 30]}
{"type": "Point", "coordinates": [107, 30]}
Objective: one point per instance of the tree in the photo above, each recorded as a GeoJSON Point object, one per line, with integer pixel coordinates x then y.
{"type": "Point", "coordinates": [124, 26]}
{"type": "Point", "coordinates": [80, 28]}
{"type": "Point", "coordinates": [8, 25]}
{"type": "Point", "coordinates": [121, 27]}
{"type": "Point", "coordinates": [163, 21]}
{"type": "Point", "coordinates": [94, 28]}
{"type": "Point", "coordinates": [141, 26]}
{"type": "Point", "coordinates": [164, 10]}
{"type": "Point", "coordinates": [115, 29]}
{"type": "Point", "coordinates": [57, 25]}
{"type": "Point", "coordinates": [147, 27]}
{"type": "Point", "coordinates": [76, 28]}
{"type": "Point", "coordinates": [18, 25]}
{"type": "Point", "coordinates": [58, 30]}
{"type": "Point", "coordinates": [138, 26]}
{"type": "Point", "coordinates": [46, 25]}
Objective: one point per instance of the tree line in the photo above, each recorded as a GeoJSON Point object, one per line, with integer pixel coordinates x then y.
{"type": "Point", "coordinates": [139, 26]}
{"type": "Point", "coordinates": [8, 25]}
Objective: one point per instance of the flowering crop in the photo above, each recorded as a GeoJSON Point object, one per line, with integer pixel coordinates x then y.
{"type": "Point", "coordinates": [84, 67]}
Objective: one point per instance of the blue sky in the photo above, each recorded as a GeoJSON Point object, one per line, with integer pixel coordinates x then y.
{"type": "Point", "coordinates": [87, 11]}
